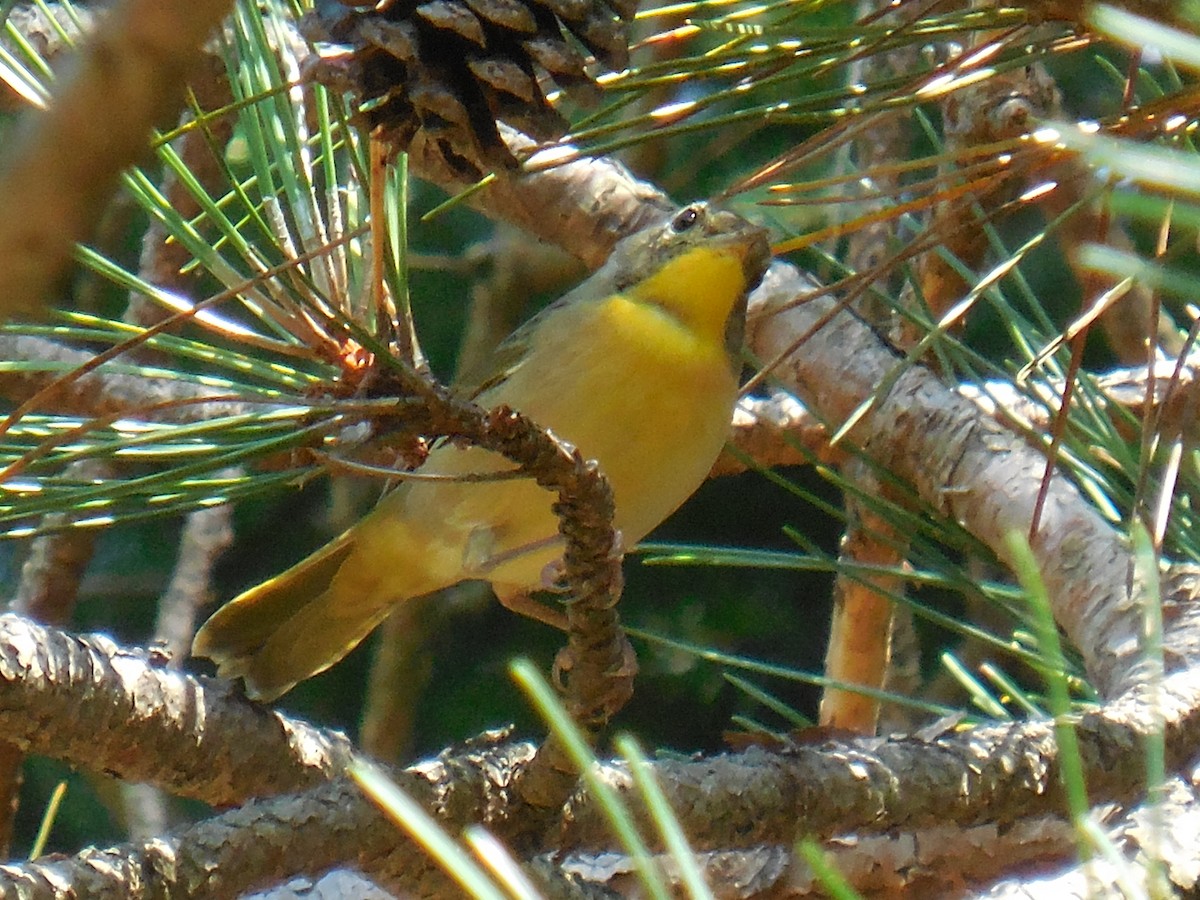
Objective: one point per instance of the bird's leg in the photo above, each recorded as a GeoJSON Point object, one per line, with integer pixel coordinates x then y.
{"type": "Point", "coordinates": [519, 601]}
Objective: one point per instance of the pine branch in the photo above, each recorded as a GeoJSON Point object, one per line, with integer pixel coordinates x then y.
{"type": "Point", "coordinates": [961, 462]}
{"type": "Point", "coordinates": [86, 701]}
{"type": "Point", "coordinates": [774, 431]}
{"type": "Point", "coordinates": [91, 703]}
{"type": "Point", "coordinates": [930, 862]}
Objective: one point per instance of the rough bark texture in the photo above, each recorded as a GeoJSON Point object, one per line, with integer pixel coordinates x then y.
{"type": "Point", "coordinates": [167, 728]}
{"type": "Point", "coordinates": [87, 701]}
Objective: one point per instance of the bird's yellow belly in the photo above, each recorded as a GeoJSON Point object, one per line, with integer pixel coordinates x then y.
{"type": "Point", "coordinates": [642, 397]}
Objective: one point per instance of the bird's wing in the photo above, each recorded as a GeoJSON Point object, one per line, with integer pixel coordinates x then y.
{"type": "Point", "coordinates": [513, 351]}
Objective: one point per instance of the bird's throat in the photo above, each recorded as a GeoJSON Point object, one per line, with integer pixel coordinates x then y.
{"type": "Point", "coordinates": [700, 288]}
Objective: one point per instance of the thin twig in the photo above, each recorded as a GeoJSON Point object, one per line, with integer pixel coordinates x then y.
{"type": "Point", "coordinates": [860, 635]}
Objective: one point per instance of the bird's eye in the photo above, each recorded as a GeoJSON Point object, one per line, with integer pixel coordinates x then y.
{"type": "Point", "coordinates": [686, 219]}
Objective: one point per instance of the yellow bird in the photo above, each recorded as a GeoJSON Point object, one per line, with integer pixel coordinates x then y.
{"type": "Point", "coordinates": [637, 367]}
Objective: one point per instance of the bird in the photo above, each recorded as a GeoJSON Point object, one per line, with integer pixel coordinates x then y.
{"type": "Point", "coordinates": [637, 367]}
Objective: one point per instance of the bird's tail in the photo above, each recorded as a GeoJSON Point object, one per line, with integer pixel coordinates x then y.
{"type": "Point", "coordinates": [290, 627]}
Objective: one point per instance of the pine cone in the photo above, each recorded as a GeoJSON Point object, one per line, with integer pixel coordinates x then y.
{"type": "Point", "coordinates": [452, 68]}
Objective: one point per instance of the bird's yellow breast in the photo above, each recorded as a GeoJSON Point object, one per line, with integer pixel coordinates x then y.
{"type": "Point", "coordinates": [644, 394]}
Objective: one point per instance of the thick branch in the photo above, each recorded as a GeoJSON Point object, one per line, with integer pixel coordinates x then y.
{"type": "Point", "coordinates": [997, 773]}
{"type": "Point", "coordinates": [781, 431]}
{"type": "Point", "coordinates": [91, 704]}
{"type": "Point", "coordinates": [1158, 842]}
{"type": "Point", "coordinates": [268, 841]}
{"type": "Point", "coordinates": [88, 702]}
{"type": "Point", "coordinates": [774, 431]}
{"type": "Point", "coordinates": [584, 206]}
{"type": "Point", "coordinates": [933, 862]}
